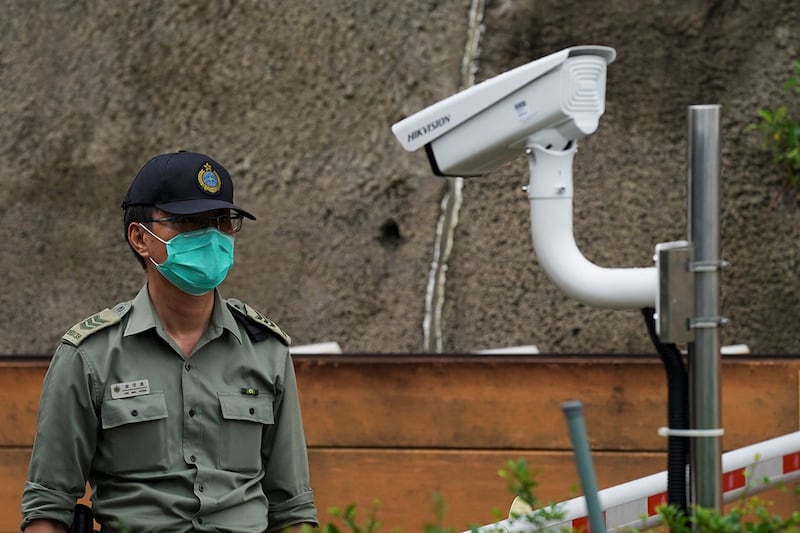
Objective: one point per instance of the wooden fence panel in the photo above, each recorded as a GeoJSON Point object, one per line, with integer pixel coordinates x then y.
{"type": "Point", "coordinates": [514, 402]}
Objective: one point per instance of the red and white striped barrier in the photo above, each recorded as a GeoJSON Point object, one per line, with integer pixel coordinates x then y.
{"type": "Point", "coordinates": [748, 470]}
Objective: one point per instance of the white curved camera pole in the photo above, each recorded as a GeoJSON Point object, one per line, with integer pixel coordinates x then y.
{"type": "Point", "coordinates": [550, 195]}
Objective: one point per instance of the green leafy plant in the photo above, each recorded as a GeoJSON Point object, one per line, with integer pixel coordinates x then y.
{"type": "Point", "coordinates": [439, 510]}
{"type": "Point", "coordinates": [522, 484]}
{"type": "Point", "coordinates": [348, 516]}
{"type": "Point", "coordinates": [750, 515]}
{"type": "Point", "coordinates": [780, 133]}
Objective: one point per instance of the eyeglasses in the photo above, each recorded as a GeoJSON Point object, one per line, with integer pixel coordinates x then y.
{"type": "Point", "coordinates": [227, 223]}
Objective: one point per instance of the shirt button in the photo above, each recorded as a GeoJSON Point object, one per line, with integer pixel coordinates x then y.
{"type": "Point", "coordinates": [192, 458]}
{"type": "Point", "coordinates": [191, 412]}
{"type": "Point", "coordinates": [201, 488]}
{"type": "Point", "coordinates": [134, 413]}
{"type": "Point", "coordinates": [252, 411]}
{"type": "Point", "coordinates": [188, 366]}
{"type": "Point", "coordinates": [199, 520]}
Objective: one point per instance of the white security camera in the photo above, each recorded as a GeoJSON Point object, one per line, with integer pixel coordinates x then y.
{"type": "Point", "coordinates": [540, 109]}
{"type": "Point", "coordinates": [549, 102]}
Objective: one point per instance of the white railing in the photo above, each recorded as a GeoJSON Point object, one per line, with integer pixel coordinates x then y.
{"type": "Point", "coordinates": [747, 470]}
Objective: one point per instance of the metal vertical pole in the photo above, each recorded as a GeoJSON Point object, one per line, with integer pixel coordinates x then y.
{"type": "Point", "coordinates": [573, 410]}
{"type": "Point", "coordinates": [704, 352]}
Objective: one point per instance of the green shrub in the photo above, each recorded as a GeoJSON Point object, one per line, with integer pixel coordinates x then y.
{"type": "Point", "coordinates": [749, 515]}
{"type": "Point", "coordinates": [780, 133]}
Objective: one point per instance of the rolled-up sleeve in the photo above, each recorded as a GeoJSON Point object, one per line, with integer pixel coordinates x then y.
{"type": "Point", "coordinates": [286, 482]}
{"type": "Point", "coordinates": [65, 440]}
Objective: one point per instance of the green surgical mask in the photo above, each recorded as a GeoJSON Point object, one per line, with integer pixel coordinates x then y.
{"type": "Point", "coordinates": [197, 261]}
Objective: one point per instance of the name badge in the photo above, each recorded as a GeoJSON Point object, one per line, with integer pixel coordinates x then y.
{"type": "Point", "coordinates": [131, 388]}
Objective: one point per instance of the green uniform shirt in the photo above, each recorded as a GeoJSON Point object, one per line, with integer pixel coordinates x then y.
{"type": "Point", "coordinates": [213, 442]}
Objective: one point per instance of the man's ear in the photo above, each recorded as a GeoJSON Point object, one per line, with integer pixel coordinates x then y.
{"type": "Point", "coordinates": [136, 237]}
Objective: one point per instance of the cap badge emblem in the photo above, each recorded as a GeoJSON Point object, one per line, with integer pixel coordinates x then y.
{"type": "Point", "coordinates": [208, 179]}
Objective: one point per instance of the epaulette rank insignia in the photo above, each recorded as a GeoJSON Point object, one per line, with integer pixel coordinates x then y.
{"type": "Point", "coordinates": [257, 325]}
{"type": "Point", "coordinates": [105, 318]}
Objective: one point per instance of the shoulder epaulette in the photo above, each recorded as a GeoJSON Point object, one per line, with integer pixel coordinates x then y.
{"type": "Point", "coordinates": [98, 321]}
{"type": "Point", "coordinates": [257, 325]}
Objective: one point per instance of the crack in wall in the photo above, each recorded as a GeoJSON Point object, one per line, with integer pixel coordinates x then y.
{"type": "Point", "coordinates": [451, 202]}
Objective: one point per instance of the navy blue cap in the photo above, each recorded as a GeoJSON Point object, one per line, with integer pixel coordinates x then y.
{"type": "Point", "coordinates": [183, 183]}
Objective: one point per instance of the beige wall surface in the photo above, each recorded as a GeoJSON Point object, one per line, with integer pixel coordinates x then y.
{"type": "Point", "coordinates": [297, 98]}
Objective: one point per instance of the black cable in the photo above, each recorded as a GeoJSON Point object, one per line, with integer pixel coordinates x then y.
{"type": "Point", "coordinates": [677, 413]}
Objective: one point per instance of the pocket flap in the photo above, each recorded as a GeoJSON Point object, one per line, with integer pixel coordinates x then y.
{"type": "Point", "coordinates": [120, 411]}
{"type": "Point", "coordinates": [248, 408]}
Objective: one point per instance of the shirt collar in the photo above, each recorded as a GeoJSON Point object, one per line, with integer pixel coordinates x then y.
{"type": "Point", "coordinates": [143, 317]}
{"type": "Point", "coordinates": [222, 316]}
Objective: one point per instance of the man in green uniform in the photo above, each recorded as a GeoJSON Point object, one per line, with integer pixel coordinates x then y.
{"type": "Point", "coordinates": [178, 407]}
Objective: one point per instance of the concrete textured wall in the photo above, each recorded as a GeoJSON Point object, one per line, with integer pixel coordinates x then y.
{"type": "Point", "coordinates": [297, 97]}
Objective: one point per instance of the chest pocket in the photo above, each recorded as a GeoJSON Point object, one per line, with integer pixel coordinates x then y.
{"type": "Point", "coordinates": [243, 422]}
{"type": "Point", "coordinates": [135, 433]}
